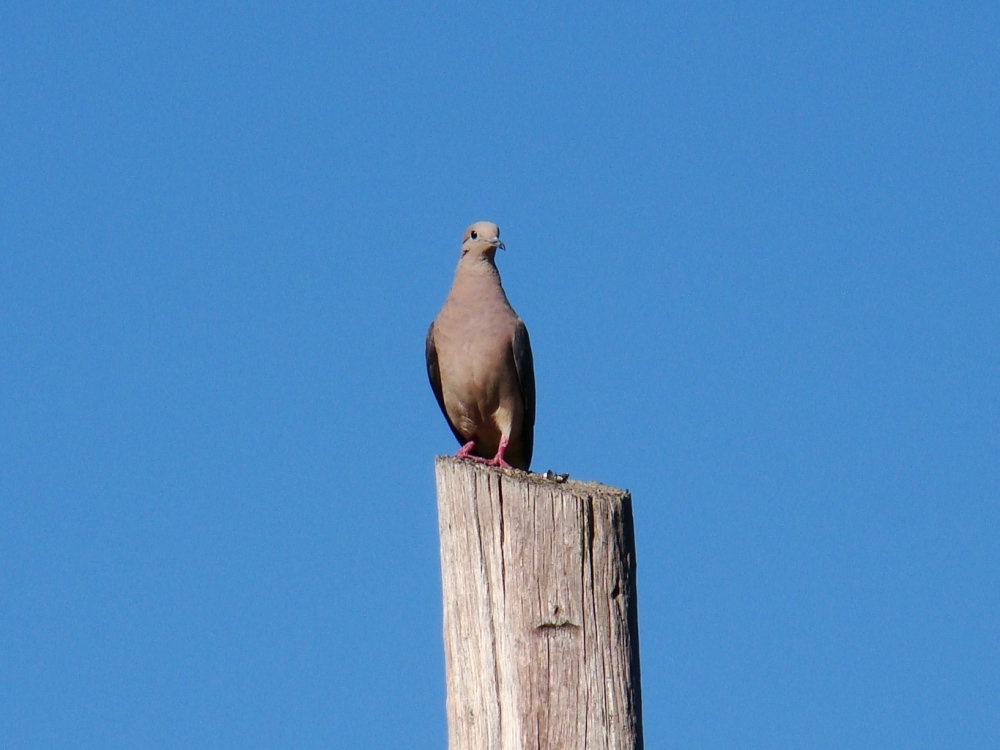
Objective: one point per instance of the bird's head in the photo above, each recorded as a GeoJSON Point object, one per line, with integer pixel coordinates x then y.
{"type": "Point", "coordinates": [483, 239]}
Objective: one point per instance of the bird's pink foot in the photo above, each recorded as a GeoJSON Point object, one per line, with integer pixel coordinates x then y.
{"type": "Point", "coordinates": [466, 452]}
{"type": "Point", "coordinates": [498, 459]}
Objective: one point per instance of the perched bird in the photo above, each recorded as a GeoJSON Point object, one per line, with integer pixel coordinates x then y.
{"type": "Point", "coordinates": [479, 359]}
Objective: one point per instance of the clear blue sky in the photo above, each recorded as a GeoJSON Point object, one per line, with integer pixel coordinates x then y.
{"type": "Point", "coordinates": [758, 251]}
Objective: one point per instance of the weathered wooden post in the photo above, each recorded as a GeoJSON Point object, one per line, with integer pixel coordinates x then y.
{"type": "Point", "coordinates": [540, 622]}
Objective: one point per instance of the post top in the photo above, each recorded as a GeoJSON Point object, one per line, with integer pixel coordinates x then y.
{"type": "Point", "coordinates": [547, 480]}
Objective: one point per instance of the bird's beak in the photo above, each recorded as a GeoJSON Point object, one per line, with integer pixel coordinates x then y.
{"type": "Point", "coordinates": [497, 243]}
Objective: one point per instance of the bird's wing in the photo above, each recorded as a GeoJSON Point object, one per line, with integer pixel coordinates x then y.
{"type": "Point", "coordinates": [526, 379]}
{"type": "Point", "coordinates": [434, 375]}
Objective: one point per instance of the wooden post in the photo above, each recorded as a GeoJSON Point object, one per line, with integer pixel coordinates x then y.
{"type": "Point", "coordinates": [541, 630]}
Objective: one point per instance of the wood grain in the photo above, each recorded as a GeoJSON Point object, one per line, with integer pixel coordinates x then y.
{"type": "Point", "coordinates": [540, 618]}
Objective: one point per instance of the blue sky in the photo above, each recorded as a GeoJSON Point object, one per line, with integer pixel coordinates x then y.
{"type": "Point", "coordinates": [756, 247]}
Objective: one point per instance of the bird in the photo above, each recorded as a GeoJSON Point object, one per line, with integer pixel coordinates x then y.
{"type": "Point", "coordinates": [479, 360]}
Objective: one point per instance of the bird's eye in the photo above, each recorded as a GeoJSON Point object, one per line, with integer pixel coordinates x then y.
{"type": "Point", "coordinates": [474, 235]}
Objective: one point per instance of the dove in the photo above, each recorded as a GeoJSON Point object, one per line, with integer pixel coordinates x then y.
{"type": "Point", "coordinates": [479, 359]}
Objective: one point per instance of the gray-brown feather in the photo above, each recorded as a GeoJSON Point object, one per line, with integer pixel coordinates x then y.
{"type": "Point", "coordinates": [434, 375]}
{"type": "Point", "coordinates": [525, 364]}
